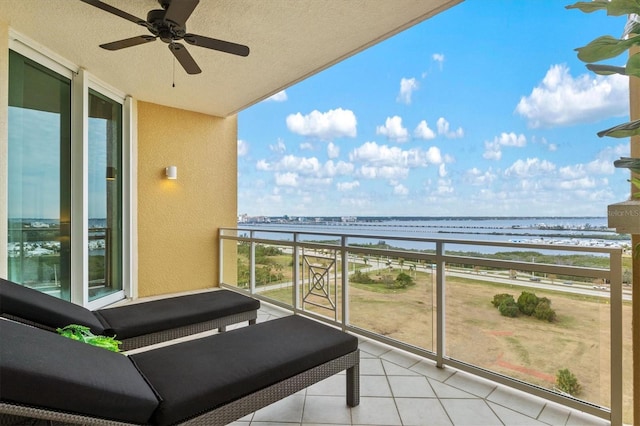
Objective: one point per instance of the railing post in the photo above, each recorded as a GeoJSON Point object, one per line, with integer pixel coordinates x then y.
{"type": "Point", "coordinates": [345, 282]}
{"type": "Point", "coordinates": [615, 298]}
{"type": "Point", "coordinates": [296, 274]}
{"type": "Point", "coordinates": [252, 264]}
{"type": "Point", "coordinates": [440, 305]}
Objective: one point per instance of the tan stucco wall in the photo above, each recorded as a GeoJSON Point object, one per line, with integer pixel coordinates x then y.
{"type": "Point", "coordinates": [4, 143]}
{"type": "Point", "coordinates": [178, 220]}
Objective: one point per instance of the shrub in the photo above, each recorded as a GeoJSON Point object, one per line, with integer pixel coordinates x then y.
{"type": "Point", "coordinates": [403, 280]}
{"type": "Point", "coordinates": [543, 310]}
{"type": "Point", "coordinates": [567, 382]}
{"type": "Point", "coordinates": [509, 308]}
{"type": "Point", "coordinates": [498, 298]}
{"type": "Point", "coordinates": [527, 303]}
{"type": "Point", "coordinates": [361, 277]}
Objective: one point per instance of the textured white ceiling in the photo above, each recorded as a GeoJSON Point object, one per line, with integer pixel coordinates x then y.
{"type": "Point", "coordinates": [289, 41]}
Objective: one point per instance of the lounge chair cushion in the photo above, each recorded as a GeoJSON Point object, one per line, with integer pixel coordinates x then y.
{"type": "Point", "coordinates": [46, 370]}
{"type": "Point", "coordinates": [236, 363]}
{"type": "Point", "coordinates": [143, 318]}
{"type": "Point", "coordinates": [35, 306]}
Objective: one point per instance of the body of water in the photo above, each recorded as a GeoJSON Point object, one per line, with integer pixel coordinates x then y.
{"type": "Point", "coordinates": [579, 231]}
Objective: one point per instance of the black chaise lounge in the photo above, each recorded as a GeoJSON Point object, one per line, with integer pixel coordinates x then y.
{"type": "Point", "coordinates": [209, 381]}
{"type": "Point", "coordinates": [136, 324]}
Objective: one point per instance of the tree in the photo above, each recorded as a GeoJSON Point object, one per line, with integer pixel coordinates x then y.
{"type": "Point", "coordinates": [403, 280]}
{"type": "Point", "coordinates": [499, 298]}
{"type": "Point", "coordinates": [527, 303]}
{"type": "Point", "coordinates": [506, 305]}
{"type": "Point", "coordinates": [543, 310]}
{"type": "Point", "coordinates": [509, 308]}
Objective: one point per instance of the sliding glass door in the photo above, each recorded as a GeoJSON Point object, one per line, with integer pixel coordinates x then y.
{"type": "Point", "coordinates": [104, 195]}
{"type": "Point", "coordinates": [39, 175]}
{"type": "Point", "coordinates": [55, 153]}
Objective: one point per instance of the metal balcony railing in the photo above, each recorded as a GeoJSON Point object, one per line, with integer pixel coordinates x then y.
{"type": "Point", "coordinates": [433, 297]}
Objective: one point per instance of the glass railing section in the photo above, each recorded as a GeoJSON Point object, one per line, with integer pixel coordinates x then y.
{"type": "Point", "coordinates": [551, 320]}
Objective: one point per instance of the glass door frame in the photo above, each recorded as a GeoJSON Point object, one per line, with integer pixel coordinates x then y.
{"type": "Point", "coordinates": [81, 82]}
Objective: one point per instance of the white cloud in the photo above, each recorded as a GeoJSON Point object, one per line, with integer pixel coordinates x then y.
{"type": "Point", "coordinates": [423, 131]}
{"type": "Point", "coordinates": [287, 179]}
{"type": "Point", "coordinates": [443, 129]}
{"type": "Point", "coordinates": [582, 183]}
{"type": "Point", "coordinates": [511, 139]}
{"type": "Point", "coordinates": [306, 146]}
{"type": "Point", "coordinates": [308, 167]}
{"type": "Point", "coordinates": [374, 154]}
{"type": "Point", "coordinates": [478, 178]}
{"type": "Point", "coordinates": [333, 151]}
{"type": "Point", "coordinates": [383, 172]}
{"type": "Point", "coordinates": [281, 96]}
{"type": "Point", "coordinates": [340, 168]}
{"type": "Point", "coordinates": [493, 149]}
{"type": "Point", "coordinates": [279, 147]}
{"type": "Point", "coordinates": [332, 124]}
{"type": "Point", "coordinates": [407, 87]}
{"type": "Point", "coordinates": [439, 58]}
{"type": "Point", "coordinates": [263, 165]}
{"type": "Point", "coordinates": [347, 186]}
{"type": "Point", "coordinates": [433, 155]}
{"type": "Point", "coordinates": [400, 189]}
{"type": "Point", "coordinates": [442, 170]}
{"type": "Point", "coordinates": [393, 130]}
{"type": "Point", "coordinates": [304, 165]}
{"type": "Point", "coordinates": [529, 168]}
{"type": "Point", "coordinates": [243, 148]}
{"type": "Point", "coordinates": [445, 186]}
{"type": "Point", "coordinates": [562, 100]}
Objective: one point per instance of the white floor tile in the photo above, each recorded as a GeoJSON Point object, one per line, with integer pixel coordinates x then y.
{"type": "Point", "coordinates": [471, 384]}
{"type": "Point", "coordinates": [326, 409]}
{"type": "Point", "coordinates": [392, 369]}
{"type": "Point", "coordinates": [577, 418]}
{"type": "Point", "coordinates": [373, 348]}
{"type": "Point", "coordinates": [401, 358]}
{"type": "Point", "coordinates": [410, 387]}
{"type": "Point", "coordinates": [518, 401]}
{"type": "Point", "coordinates": [429, 369]}
{"type": "Point", "coordinates": [375, 411]}
{"type": "Point", "coordinates": [374, 386]}
{"type": "Point", "coordinates": [472, 412]}
{"type": "Point", "coordinates": [513, 418]}
{"type": "Point", "coordinates": [445, 391]}
{"type": "Point", "coordinates": [554, 414]}
{"type": "Point", "coordinates": [422, 411]}
{"type": "Point", "coordinates": [371, 367]}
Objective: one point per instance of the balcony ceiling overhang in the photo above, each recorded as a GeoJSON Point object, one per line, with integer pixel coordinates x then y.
{"type": "Point", "coordinates": [290, 40]}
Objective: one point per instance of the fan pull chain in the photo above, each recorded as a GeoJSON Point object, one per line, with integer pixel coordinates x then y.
{"type": "Point", "coordinates": [174, 72]}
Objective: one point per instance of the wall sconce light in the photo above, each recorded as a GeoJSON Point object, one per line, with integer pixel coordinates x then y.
{"type": "Point", "coordinates": [172, 172]}
{"type": "Point", "coordinates": [112, 173]}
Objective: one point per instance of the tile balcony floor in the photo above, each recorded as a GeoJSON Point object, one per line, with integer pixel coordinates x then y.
{"type": "Point", "coordinates": [397, 388]}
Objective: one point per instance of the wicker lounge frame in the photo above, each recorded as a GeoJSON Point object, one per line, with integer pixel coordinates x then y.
{"type": "Point", "coordinates": [137, 324]}
{"type": "Point", "coordinates": [13, 413]}
{"type": "Point", "coordinates": [136, 342]}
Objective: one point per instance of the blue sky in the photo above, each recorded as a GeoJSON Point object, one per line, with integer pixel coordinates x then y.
{"type": "Point", "coordinates": [483, 110]}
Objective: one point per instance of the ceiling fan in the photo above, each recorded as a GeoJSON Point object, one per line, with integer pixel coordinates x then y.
{"type": "Point", "coordinates": [169, 24]}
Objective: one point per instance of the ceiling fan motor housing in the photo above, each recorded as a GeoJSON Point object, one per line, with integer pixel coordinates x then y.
{"type": "Point", "coordinates": [168, 31]}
